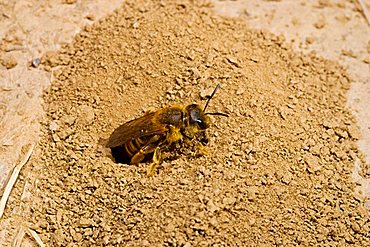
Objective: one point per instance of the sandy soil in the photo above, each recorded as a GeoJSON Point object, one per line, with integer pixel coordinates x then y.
{"type": "Point", "coordinates": [280, 169]}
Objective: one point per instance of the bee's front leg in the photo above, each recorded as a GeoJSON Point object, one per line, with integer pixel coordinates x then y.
{"type": "Point", "coordinates": [202, 148]}
{"type": "Point", "coordinates": [200, 141]}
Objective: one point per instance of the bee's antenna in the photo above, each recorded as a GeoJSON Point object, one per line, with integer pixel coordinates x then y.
{"type": "Point", "coordinates": [213, 93]}
{"type": "Point", "coordinates": [217, 113]}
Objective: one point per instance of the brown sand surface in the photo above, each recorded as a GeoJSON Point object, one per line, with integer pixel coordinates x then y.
{"type": "Point", "coordinates": [279, 169]}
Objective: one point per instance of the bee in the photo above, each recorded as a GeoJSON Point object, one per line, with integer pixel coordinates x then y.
{"type": "Point", "coordinates": [147, 136]}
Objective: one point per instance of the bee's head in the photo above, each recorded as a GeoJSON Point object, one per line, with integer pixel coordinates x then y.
{"type": "Point", "coordinates": [198, 121]}
{"type": "Point", "coordinates": [197, 117]}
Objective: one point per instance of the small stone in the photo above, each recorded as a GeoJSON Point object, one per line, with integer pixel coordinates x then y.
{"type": "Point", "coordinates": [106, 240]}
{"type": "Point", "coordinates": [354, 132]}
{"type": "Point", "coordinates": [230, 108]}
{"type": "Point", "coordinates": [136, 25]}
{"type": "Point", "coordinates": [90, 17]}
{"type": "Point", "coordinates": [355, 227]}
{"type": "Point", "coordinates": [312, 162]}
{"type": "Point", "coordinates": [213, 221]}
{"type": "Point", "coordinates": [232, 60]}
{"type": "Point", "coordinates": [184, 181]}
{"type": "Point", "coordinates": [229, 201]}
{"type": "Point", "coordinates": [88, 232]}
{"type": "Point", "coordinates": [252, 193]}
{"type": "Point", "coordinates": [341, 133]}
{"type": "Point", "coordinates": [58, 236]}
{"type": "Point", "coordinates": [50, 58]}
{"type": "Point", "coordinates": [53, 126]}
{"type": "Point", "coordinates": [145, 243]}
{"type": "Point", "coordinates": [254, 59]}
{"type": "Point", "coordinates": [69, 1]}
{"type": "Point", "coordinates": [206, 93]}
{"type": "Point", "coordinates": [68, 119]}
{"type": "Point", "coordinates": [65, 133]}
{"type": "Point", "coordinates": [87, 115]}
{"type": "Point", "coordinates": [324, 150]}
{"type": "Point", "coordinates": [320, 24]}
{"type": "Point", "coordinates": [329, 124]}
{"type": "Point", "coordinates": [85, 222]}
{"type": "Point", "coordinates": [316, 149]}
{"type": "Point", "coordinates": [211, 207]}
{"type": "Point", "coordinates": [284, 112]}
{"type": "Point", "coordinates": [9, 62]}
{"type": "Point", "coordinates": [296, 21]}
{"type": "Point", "coordinates": [196, 73]}
{"type": "Point", "coordinates": [348, 53]}
{"type": "Point", "coordinates": [310, 40]}
{"type": "Point", "coordinates": [240, 91]}
{"type": "Point", "coordinates": [367, 204]}
{"type": "Point", "coordinates": [77, 237]}
{"type": "Point", "coordinates": [55, 138]}
{"type": "Point", "coordinates": [340, 154]}
{"type": "Point", "coordinates": [287, 177]}
{"type": "Point", "coordinates": [72, 155]}
{"type": "Point", "coordinates": [42, 224]}
{"type": "Point", "coordinates": [36, 62]}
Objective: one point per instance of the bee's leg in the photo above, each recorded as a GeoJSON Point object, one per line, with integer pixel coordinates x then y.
{"type": "Point", "coordinates": [203, 149]}
{"type": "Point", "coordinates": [147, 149]}
{"type": "Point", "coordinates": [200, 143]}
{"type": "Point", "coordinates": [156, 161]}
{"type": "Point", "coordinates": [140, 155]}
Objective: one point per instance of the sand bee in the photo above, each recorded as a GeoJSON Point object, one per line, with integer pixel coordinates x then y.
{"type": "Point", "coordinates": [137, 139]}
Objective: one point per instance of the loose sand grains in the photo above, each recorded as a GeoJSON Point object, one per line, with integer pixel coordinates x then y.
{"type": "Point", "coordinates": [279, 168]}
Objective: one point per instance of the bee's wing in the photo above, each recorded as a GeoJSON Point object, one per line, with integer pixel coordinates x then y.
{"type": "Point", "coordinates": [143, 126]}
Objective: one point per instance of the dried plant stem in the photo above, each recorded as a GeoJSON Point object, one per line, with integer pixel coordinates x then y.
{"type": "Point", "coordinates": [33, 234]}
{"type": "Point", "coordinates": [19, 237]}
{"type": "Point", "coordinates": [364, 11]}
{"type": "Point", "coordinates": [12, 180]}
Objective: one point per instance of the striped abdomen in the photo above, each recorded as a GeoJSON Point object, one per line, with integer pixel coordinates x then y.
{"type": "Point", "coordinates": [125, 152]}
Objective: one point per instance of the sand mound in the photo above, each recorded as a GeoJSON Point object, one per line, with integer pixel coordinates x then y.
{"type": "Point", "coordinates": [279, 167]}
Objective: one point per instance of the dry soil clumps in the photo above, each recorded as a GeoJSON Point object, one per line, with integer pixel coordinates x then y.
{"type": "Point", "coordinates": [279, 167]}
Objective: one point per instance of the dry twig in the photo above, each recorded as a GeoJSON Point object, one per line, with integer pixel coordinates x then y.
{"type": "Point", "coordinates": [33, 234]}
{"type": "Point", "coordinates": [19, 237]}
{"type": "Point", "coordinates": [364, 11]}
{"type": "Point", "coordinates": [13, 178]}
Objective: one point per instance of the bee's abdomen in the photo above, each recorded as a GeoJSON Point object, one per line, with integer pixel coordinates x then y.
{"type": "Point", "coordinates": [124, 153]}
{"type": "Point", "coordinates": [133, 146]}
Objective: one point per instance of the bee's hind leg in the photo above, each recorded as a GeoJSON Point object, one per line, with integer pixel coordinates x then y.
{"type": "Point", "coordinates": [156, 161]}
{"type": "Point", "coordinates": [140, 155]}
{"type": "Point", "coordinates": [150, 147]}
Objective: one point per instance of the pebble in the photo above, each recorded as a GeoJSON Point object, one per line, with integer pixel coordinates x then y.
{"type": "Point", "coordinates": [53, 126]}
{"type": "Point", "coordinates": [232, 60]}
{"type": "Point", "coordinates": [252, 193]}
{"type": "Point", "coordinates": [206, 93]}
{"type": "Point", "coordinates": [313, 163]}
{"type": "Point", "coordinates": [63, 134]}
{"type": "Point", "coordinates": [84, 222]}
{"type": "Point", "coordinates": [354, 132]}
{"type": "Point", "coordinates": [240, 91]}
{"type": "Point", "coordinates": [9, 62]}
{"type": "Point", "coordinates": [36, 62]}
{"type": "Point", "coordinates": [87, 115]}
{"type": "Point", "coordinates": [68, 119]}
{"type": "Point", "coordinates": [211, 207]}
